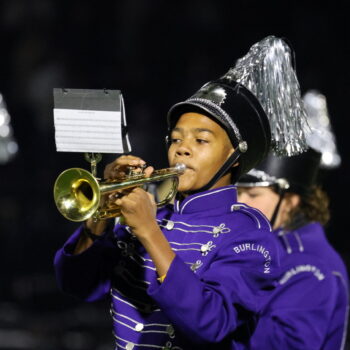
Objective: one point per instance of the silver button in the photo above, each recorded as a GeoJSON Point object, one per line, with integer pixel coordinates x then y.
{"type": "Point", "coordinates": [235, 207]}
{"type": "Point", "coordinates": [204, 248]}
{"type": "Point", "coordinates": [167, 346]}
{"type": "Point", "coordinates": [129, 346]}
{"type": "Point", "coordinates": [139, 327]}
{"type": "Point", "coordinates": [243, 146]}
{"type": "Point", "coordinates": [216, 230]}
{"type": "Point", "coordinates": [169, 225]}
{"type": "Point", "coordinates": [170, 330]}
{"type": "Point", "coordinates": [196, 265]}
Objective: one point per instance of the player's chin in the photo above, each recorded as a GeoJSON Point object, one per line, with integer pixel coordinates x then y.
{"type": "Point", "coordinates": [186, 183]}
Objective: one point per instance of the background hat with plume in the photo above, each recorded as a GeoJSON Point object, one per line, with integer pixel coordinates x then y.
{"type": "Point", "coordinates": [8, 144]}
{"type": "Point", "coordinates": [321, 136]}
{"type": "Point", "coordinates": [299, 173]}
{"type": "Point", "coordinates": [257, 102]}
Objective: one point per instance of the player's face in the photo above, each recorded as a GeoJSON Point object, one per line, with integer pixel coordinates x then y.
{"type": "Point", "coordinates": [203, 146]}
{"type": "Point", "coordinates": [262, 198]}
{"type": "Point", "coordinates": [266, 200]}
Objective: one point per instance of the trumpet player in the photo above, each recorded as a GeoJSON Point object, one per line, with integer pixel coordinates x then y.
{"type": "Point", "coordinates": [193, 274]}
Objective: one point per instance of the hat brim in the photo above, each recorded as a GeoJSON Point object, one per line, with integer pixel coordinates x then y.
{"type": "Point", "coordinates": [181, 108]}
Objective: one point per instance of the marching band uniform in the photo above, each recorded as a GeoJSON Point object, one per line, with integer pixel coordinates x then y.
{"type": "Point", "coordinates": [225, 257]}
{"type": "Point", "coordinates": [309, 307]}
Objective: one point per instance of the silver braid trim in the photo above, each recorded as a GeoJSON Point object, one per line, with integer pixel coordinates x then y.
{"type": "Point", "coordinates": [215, 109]}
{"type": "Point", "coordinates": [264, 180]}
{"type": "Point", "coordinates": [261, 175]}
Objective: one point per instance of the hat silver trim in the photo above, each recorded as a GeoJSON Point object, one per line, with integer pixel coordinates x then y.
{"type": "Point", "coordinates": [264, 180]}
{"type": "Point", "coordinates": [213, 108]}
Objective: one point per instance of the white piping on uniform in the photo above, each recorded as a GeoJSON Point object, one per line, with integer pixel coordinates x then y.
{"type": "Point", "coordinates": [138, 263]}
{"type": "Point", "coordinates": [126, 325]}
{"type": "Point", "coordinates": [145, 345]}
{"type": "Point", "coordinates": [185, 243]}
{"type": "Point", "coordinates": [189, 231]}
{"type": "Point", "coordinates": [127, 272]}
{"type": "Point", "coordinates": [244, 206]}
{"type": "Point", "coordinates": [263, 216]}
{"type": "Point", "coordinates": [125, 302]}
{"type": "Point", "coordinates": [144, 324]}
{"type": "Point", "coordinates": [141, 257]}
{"type": "Point", "coordinates": [252, 215]}
{"type": "Point", "coordinates": [195, 231]}
{"type": "Point", "coordinates": [184, 249]}
{"type": "Point", "coordinates": [119, 345]}
{"type": "Point", "coordinates": [204, 195]}
{"type": "Point", "coordinates": [185, 224]}
{"type": "Point", "coordinates": [286, 242]}
{"type": "Point", "coordinates": [297, 237]}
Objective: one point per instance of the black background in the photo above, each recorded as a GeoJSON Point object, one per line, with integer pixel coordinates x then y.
{"type": "Point", "coordinates": [157, 53]}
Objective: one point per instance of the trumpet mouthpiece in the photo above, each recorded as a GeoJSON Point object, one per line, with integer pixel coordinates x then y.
{"type": "Point", "coordinates": [180, 167]}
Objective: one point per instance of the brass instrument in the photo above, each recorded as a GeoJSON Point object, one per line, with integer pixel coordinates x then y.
{"type": "Point", "coordinates": [77, 192]}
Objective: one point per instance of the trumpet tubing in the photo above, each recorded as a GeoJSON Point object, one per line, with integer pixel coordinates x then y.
{"type": "Point", "coordinates": [77, 193]}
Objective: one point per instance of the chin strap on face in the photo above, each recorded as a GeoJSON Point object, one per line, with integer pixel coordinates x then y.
{"type": "Point", "coordinates": [281, 194]}
{"type": "Point", "coordinates": [226, 168]}
{"type": "Point", "coordinates": [281, 187]}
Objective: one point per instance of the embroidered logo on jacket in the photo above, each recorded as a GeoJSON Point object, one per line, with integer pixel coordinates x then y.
{"type": "Point", "coordinates": [257, 248]}
{"type": "Point", "coordinates": [302, 268]}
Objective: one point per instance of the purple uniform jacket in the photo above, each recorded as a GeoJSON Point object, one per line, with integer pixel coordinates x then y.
{"type": "Point", "coordinates": [309, 308]}
{"type": "Point", "coordinates": [225, 266]}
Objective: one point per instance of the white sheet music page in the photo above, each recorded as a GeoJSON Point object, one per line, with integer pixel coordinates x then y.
{"type": "Point", "coordinates": [88, 131]}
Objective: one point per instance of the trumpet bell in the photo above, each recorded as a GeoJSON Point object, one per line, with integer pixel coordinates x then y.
{"type": "Point", "coordinates": [76, 194]}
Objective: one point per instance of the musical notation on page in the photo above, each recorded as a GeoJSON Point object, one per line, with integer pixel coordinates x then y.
{"type": "Point", "coordinates": [88, 131]}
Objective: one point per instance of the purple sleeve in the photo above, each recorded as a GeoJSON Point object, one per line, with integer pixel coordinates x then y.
{"type": "Point", "coordinates": [86, 275]}
{"type": "Point", "coordinates": [208, 307]}
{"type": "Point", "coordinates": [298, 315]}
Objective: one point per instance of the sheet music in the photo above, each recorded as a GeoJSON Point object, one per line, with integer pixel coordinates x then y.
{"type": "Point", "coordinates": [88, 131]}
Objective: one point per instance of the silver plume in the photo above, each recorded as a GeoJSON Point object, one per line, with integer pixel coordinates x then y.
{"type": "Point", "coordinates": [267, 71]}
{"type": "Point", "coordinates": [321, 137]}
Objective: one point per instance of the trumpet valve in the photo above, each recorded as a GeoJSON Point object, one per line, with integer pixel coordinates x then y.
{"type": "Point", "coordinates": [135, 170]}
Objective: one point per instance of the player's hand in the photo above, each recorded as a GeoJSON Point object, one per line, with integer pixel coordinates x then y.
{"type": "Point", "coordinates": [139, 210]}
{"type": "Point", "coordinates": [120, 167]}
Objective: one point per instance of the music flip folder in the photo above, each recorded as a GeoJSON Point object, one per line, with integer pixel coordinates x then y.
{"type": "Point", "coordinates": [88, 120]}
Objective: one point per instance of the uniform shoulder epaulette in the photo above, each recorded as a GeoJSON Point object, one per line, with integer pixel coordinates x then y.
{"type": "Point", "coordinates": [255, 215]}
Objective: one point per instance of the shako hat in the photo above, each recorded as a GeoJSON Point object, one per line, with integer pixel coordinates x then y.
{"type": "Point", "coordinates": [257, 102]}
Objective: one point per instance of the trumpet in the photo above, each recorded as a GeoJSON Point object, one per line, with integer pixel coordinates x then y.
{"type": "Point", "coordinates": [77, 193]}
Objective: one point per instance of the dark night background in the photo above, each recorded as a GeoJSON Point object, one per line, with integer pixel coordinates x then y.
{"type": "Point", "coordinates": [157, 53]}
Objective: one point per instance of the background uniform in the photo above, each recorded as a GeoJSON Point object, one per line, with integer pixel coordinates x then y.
{"type": "Point", "coordinates": [309, 308]}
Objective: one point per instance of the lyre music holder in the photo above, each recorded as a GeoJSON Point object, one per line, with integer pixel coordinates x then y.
{"type": "Point", "coordinates": [90, 121]}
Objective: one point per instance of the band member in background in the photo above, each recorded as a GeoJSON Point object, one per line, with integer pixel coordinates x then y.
{"type": "Point", "coordinates": [175, 276]}
{"type": "Point", "coordinates": [308, 309]}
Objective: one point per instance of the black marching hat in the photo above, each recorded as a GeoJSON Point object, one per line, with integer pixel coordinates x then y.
{"type": "Point", "coordinates": [238, 111]}
{"type": "Point", "coordinates": [295, 174]}
{"type": "Point", "coordinates": [252, 102]}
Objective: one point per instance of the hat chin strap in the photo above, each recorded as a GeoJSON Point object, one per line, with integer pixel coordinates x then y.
{"type": "Point", "coordinates": [277, 208]}
{"type": "Point", "coordinates": [226, 167]}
